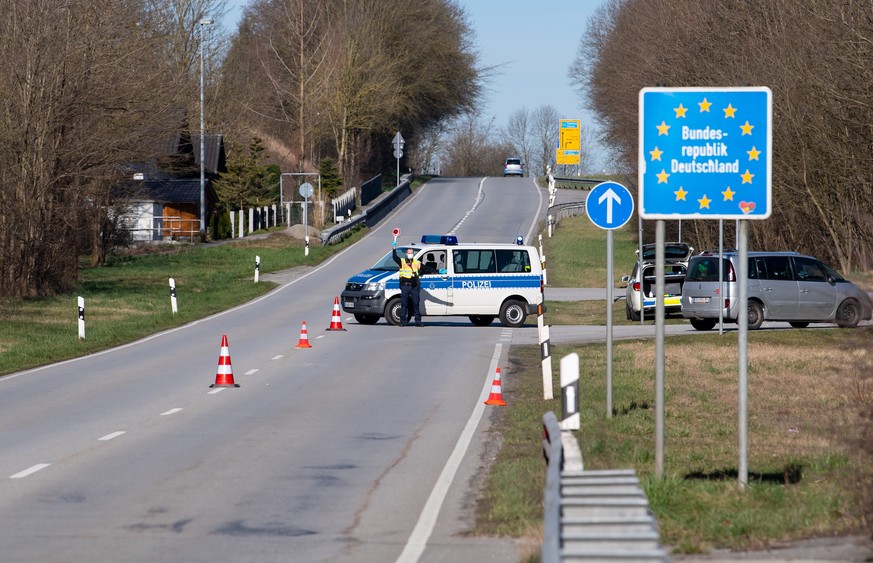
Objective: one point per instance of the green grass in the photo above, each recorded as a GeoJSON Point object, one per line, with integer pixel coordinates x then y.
{"type": "Point", "coordinates": [594, 313]}
{"type": "Point", "coordinates": [810, 399]}
{"type": "Point", "coordinates": [807, 389]}
{"type": "Point", "coordinates": [129, 298]}
{"type": "Point", "coordinates": [576, 254]}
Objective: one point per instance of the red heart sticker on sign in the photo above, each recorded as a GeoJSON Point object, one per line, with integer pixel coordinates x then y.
{"type": "Point", "coordinates": [747, 206]}
{"type": "Point", "coordinates": [396, 232]}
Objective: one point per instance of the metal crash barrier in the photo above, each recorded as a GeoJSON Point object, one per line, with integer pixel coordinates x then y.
{"type": "Point", "coordinates": [592, 515]}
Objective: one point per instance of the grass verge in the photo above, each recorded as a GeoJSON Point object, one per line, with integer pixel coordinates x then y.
{"type": "Point", "coordinates": [129, 297]}
{"type": "Point", "coordinates": [809, 391]}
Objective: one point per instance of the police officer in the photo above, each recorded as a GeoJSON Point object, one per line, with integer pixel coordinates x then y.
{"type": "Point", "coordinates": [410, 286]}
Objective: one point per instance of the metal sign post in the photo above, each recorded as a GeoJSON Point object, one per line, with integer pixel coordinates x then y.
{"type": "Point", "coordinates": [706, 153]}
{"type": "Point", "coordinates": [306, 191]}
{"type": "Point", "coordinates": [609, 206]}
{"type": "Point", "coordinates": [398, 153]}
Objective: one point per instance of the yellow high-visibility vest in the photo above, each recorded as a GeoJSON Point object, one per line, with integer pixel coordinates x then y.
{"type": "Point", "coordinates": [407, 270]}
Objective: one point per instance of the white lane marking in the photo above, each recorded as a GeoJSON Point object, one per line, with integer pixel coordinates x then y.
{"type": "Point", "coordinates": [427, 520]}
{"type": "Point", "coordinates": [171, 411]}
{"type": "Point", "coordinates": [319, 336]}
{"type": "Point", "coordinates": [111, 436]}
{"type": "Point", "coordinates": [251, 371]}
{"type": "Point", "coordinates": [216, 390]}
{"type": "Point", "coordinates": [29, 471]}
{"type": "Point", "coordinates": [279, 357]}
{"type": "Point", "coordinates": [479, 198]}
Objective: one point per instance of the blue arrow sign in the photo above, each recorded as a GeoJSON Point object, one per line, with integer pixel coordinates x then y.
{"type": "Point", "coordinates": [609, 205]}
{"type": "Point", "coordinates": [705, 153]}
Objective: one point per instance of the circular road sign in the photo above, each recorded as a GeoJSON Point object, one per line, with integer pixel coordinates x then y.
{"type": "Point", "coordinates": [306, 189]}
{"type": "Point", "coordinates": [396, 232]}
{"type": "Point", "coordinates": [609, 205]}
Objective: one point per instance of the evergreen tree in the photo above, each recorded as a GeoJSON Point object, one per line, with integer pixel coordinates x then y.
{"type": "Point", "coordinates": [331, 181]}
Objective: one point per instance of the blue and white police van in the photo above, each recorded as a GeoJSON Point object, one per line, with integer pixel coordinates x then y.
{"type": "Point", "coordinates": [480, 281]}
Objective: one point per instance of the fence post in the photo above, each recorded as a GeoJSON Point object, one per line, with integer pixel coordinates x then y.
{"type": "Point", "coordinates": [81, 318]}
{"type": "Point", "coordinates": [173, 304]}
{"type": "Point", "coordinates": [251, 220]}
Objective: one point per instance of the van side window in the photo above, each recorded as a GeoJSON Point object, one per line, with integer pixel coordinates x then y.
{"type": "Point", "coordinates": [513, 261]}
{"type": "Point", "coordinates": [758, 267]}
{"type": "Point", "coordinates": [753, 269]}
{"type": "Point", "coordinates": [778, 268]}
{"type": "Point", "coordinates": [474, 261]}
{"type": "Point", "coordinates": [809, 270]}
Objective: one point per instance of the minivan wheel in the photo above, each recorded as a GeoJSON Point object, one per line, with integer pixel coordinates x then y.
{"type": "Point", "coordinates": [365, 319]}
{"type": "Point", "coordinates": [392, 312]}
{"type": "Point", "coordinates": [849, 313]}
{"type": "Point", "coordinates": [481, 320]}
{"type": "Point", "coordinates": [703, 324]}
{"type": "Point", "coordinates": [797, 324]}
{"type": "Point", "coordinates": [756, 315]}
{"type": "Point", "coordinates": [512, 313]}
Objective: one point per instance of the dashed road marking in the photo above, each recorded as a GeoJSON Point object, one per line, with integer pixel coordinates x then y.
{"type": "Point", "coordinates": [251, 371]}
{"type": "Point", "coordinates": [279, 357]}
{"type": "Point", "coordinates": [171, 411]}
{"type": "Point", "coordinates": [111, 436]}
{"type": "Point", "coordinates": [29, 471]}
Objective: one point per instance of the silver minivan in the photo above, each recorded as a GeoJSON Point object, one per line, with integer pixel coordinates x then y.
{"type": "Point", "coordinates": [783, 286]}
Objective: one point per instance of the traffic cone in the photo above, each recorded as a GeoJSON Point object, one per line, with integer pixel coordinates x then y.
{"type": "Point", "coordinates": [304, 338]}
{"type": "Point", "coordinates": [496, 397]}
{"type": "Point", "coordinates": [336, 323]}
{"type": "Point", "coordinates": [224, 375]}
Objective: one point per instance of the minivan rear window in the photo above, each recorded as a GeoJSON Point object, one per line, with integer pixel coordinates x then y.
{"type": "Point", "coordinates": [515, 161]}
{"type": "Point", "coordinates": [705, 269]}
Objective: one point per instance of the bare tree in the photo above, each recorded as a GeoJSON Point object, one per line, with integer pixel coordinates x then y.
{"type": "Point", "coordinates": [470, 149]}
{"type": "Point", "coordinates": [814, 55]}
{"type": "Point", "coordinates": [85, 97]}
{"type": "Point", "coordinates": [519, 135]}
{"type": "Point", "coordinates": [546, 122]}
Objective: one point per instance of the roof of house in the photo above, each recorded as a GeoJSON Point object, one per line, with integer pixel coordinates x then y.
{"type": "Point", "coordinates": [167, 191]}
{"type": "Point", "coordinates": [214, 157]}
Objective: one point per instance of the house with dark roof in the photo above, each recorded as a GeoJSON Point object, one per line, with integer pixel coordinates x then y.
{"type": "Point", "coordinates": [162, 196]}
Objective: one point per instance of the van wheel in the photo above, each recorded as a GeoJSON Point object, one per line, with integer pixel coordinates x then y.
{"type": "Point", "coordinates": [703, 324]}
{"type": "Point", "coordinates": [513, 313]}
{"type": "Point", "coordinates": [797, 324]}
{"type": "Point", "coordinates": [631, 314]}
{"type": "Point", "coordinates": [392, 312]}
{"type": "Point", "coordinates": [481, 320]}
{"type": "Point", "coordinates": [756, 315]}
{"type": "Point", "coordinates": [848, 313]}
{"type": "Point", "coordinates": [366, 319]}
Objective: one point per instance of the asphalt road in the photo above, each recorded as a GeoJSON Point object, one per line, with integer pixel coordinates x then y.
{"type": "Point", "coordinates": [362, 448]}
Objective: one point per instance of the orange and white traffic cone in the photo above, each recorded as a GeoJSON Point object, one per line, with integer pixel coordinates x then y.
{"type": "Point", "coordinates": [304, 338]}
{"type": "Point", "coordinates": [496, 397]}
{"type": "Point", "coordinates": [336, 323]}
{"type": "Point", "coordinates": [224, 375]}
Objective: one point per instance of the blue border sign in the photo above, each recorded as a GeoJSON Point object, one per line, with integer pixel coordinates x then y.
{"type": "Point", "coordinates": [705, 153]}
{"type": "Point", "coordinates": [609, 205]}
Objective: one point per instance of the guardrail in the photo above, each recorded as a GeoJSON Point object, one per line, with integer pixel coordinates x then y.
{"type": "Point", "coordinates": [593, 515]}
{"type": "Point", "coordinates": [370, 216]}
{"type": "Point", "coordinates": [573, 182]}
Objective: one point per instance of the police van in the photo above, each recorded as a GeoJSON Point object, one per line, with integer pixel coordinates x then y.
{"type": "Point", "coordinates": [479, 281]}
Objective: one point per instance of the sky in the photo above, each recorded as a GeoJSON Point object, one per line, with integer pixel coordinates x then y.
{"type": "Point", "coordinates": [533, 45]}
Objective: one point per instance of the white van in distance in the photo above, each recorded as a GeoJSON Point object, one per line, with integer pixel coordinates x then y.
{"type": "Point", "coordinates": [478, 281]}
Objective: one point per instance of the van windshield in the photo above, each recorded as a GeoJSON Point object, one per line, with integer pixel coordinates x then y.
{"type": "Point", "coordinates": [387, 264]}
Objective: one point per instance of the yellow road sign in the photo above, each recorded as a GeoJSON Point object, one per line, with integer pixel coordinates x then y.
{"type": "Point", "coordinates": [571, 135]}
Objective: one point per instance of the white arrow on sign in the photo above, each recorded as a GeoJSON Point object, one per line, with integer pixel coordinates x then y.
{"type": "Point", "coordinates": [610, 197]}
